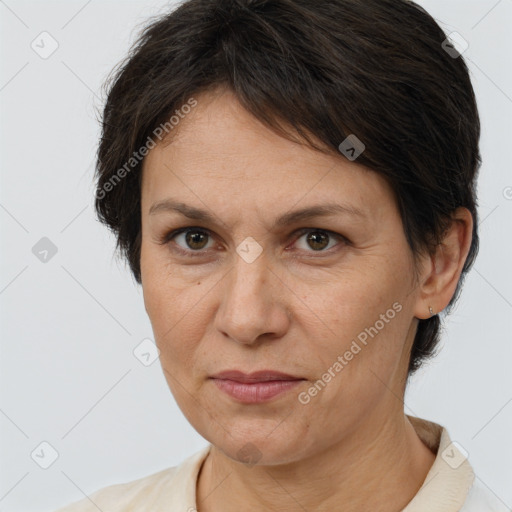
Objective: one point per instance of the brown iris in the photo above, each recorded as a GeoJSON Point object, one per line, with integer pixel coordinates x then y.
{"type": "Point", "coordinates": [196, 237]}
{"type": "Point", "coordinates": [317, 240]}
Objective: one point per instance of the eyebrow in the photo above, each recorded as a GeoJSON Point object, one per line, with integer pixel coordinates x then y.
{"type": "Point", "coordinates": [324, 210]}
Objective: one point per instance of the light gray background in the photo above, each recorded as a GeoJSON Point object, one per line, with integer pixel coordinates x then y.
{"type": "Point", "coordinates": [69, 326]}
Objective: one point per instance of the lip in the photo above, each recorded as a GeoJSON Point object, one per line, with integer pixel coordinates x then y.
{"type": "Point", "coordinates": [256, 387]}
{"type": "Point", "coordinates": [259, 376]}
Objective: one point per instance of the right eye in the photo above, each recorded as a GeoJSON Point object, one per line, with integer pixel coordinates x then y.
{"type": "Point", "coordinates": [193, 241]}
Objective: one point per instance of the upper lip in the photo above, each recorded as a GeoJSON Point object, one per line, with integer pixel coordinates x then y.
{"type": "Point", "coordinates": [259, 376]}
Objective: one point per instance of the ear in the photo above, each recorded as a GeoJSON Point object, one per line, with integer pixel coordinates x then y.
{"type": "Point", "coordinates": [441, 270]}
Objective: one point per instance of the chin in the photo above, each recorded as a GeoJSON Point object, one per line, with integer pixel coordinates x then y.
{"type": "Point", "coordinates": [267, 448]}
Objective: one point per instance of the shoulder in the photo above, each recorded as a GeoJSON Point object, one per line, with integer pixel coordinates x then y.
{"type": "Point", "coordinates": [120, 496]}
{"type": "Point", "coordinates": [172, 486]}
{"type": "Point", "coordinates": [481, 499]}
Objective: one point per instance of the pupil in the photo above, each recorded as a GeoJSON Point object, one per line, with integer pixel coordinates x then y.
{"type": "Point", "coordinates": [194, 237]}
{"type": "Point", "coordinates": [315, 237]}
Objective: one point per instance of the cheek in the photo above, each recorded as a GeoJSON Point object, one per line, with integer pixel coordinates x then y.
{"type": "Point", "coordinates": [353, 302]}
{"type": "Point", "coordinates": [368, 316]}
{"type": "Point", "coordinates": [161, 297]}
{"type": "Point", "coordinates": [179, 321]}
{"type": "Point", "coordinates": [165, 307]}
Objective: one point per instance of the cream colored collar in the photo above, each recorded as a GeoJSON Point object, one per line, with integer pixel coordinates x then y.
{"type": "Point", "coordinates": [447, 484]}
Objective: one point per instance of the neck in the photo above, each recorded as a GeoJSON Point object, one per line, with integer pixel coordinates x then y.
{"type": "Point", "coordinates": [380, 466]}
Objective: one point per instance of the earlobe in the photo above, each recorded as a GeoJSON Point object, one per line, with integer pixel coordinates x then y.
{"type": "Point", "coordinates": [439, 284]}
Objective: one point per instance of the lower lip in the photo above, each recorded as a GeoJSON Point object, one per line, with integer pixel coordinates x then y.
{"type": "Point", "coordinates": [252, 393]}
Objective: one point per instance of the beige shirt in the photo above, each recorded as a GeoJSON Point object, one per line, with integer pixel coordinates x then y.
{"type": "Point", "coordinates": [450, 485]}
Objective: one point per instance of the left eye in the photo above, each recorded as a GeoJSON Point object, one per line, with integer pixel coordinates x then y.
{"type": "Point", "coordinates": [318, 239]}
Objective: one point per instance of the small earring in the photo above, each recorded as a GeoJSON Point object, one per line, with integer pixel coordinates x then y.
{"type": "Point", "coordinates": [431, 311]}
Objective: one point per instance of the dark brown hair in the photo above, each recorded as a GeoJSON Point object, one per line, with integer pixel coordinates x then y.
{"type": "Point", "coordinates": [377, 69]}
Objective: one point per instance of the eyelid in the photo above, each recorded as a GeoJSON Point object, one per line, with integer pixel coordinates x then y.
{"type": "Point", "coordinates": [168, 237]}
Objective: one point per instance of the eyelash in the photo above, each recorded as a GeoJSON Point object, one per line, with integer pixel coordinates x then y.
{"type": "Point", "coordinates": [169, 237]}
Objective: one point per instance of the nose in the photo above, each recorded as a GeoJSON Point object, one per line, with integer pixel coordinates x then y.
{"type": "Point", "coordinates": [253, 303]}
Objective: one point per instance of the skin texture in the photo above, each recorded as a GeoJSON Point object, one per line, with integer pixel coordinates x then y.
{"type": "Point", "coordinates": [293, 309]}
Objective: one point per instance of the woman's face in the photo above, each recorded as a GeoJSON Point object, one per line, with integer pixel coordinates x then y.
{"type": "Point", "coordinates": [329, 299]}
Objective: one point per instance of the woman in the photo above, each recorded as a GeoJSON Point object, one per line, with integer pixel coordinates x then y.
{"type": "Point", "coordinates": [293, 185]}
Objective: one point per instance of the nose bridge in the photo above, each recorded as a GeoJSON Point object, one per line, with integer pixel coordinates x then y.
{"type": "Point", "coordinates": [251, 268]}
{"type": "Point", "coordinates": [250, 305]}
{"type": "Point", "coordinates": [249, 283]}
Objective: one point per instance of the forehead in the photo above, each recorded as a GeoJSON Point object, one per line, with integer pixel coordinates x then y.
{"type": "Point", "coordinates": [220, 149]}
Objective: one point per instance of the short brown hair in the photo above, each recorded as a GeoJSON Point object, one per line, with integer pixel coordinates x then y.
{"type": "Point", "coordinates": [377, 69]}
